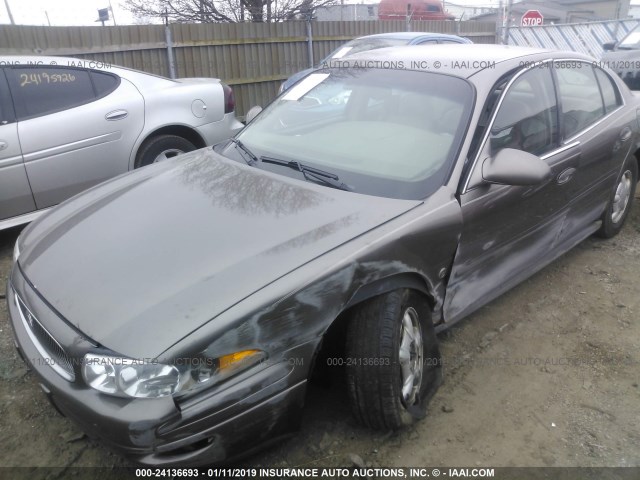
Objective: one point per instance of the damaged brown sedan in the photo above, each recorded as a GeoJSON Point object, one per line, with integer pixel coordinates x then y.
{"type": "Point", "coordinates": [176, 312]}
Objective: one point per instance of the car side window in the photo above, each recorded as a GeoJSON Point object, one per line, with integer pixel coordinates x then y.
{"type": "Point", "coordinates": [104, 83]}
{"type": "Point", "coordinates": [580, 98]}
{"type": "Point", "coordinates": [610, 92]}
{"type": "Point", "coordinates": [40, 91]}
{"type": "Point", "coordinates": [6, 110]}
{"type": "Point", "coordinates": [527, 117]}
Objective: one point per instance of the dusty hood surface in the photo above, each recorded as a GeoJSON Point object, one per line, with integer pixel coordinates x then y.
{"type": "Point", "coordinates": [143, 260]}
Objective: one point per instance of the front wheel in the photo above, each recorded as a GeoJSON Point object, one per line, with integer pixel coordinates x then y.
{"type": "Point", "coordinates": [162, 147]}
{"type": "Point", "coordinates": [394, 364]}
{"type": "Point", "coordinates": [621, 200]}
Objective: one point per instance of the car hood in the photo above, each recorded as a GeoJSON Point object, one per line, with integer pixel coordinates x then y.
{"type": "Point", "coordinates": [143, 260]}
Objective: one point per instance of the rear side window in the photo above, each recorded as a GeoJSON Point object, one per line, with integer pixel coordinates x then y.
{"type": "Point", "coordinates": [104, 83]}
{"type": "Point", "coordinates": [610, 93]}
{"type": "Point", "coordinates": [40, 91]}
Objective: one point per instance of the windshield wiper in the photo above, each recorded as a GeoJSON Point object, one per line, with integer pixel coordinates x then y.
{"type": "Point", "coordinates": [310, 173]}
{"type": "Point", "coordinates": [252, 158]}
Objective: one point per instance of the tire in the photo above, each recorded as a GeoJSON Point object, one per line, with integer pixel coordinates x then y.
{"type": "Point", "coordinates": [621, 200]}
{"type": "Point", "coordinates": [162, 147]}
{"type": "Point", "coordinates": [375, 368]}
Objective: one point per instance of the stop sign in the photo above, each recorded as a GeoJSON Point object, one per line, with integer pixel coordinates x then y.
{"type": "Point", "coordinates": [531, 18]}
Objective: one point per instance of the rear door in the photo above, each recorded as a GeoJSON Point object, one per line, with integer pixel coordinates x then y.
{"type": "Point", "coordinates": [589, 101]}
{"type": "Point", "coordinates": [77, 127]}
{"type": "Point", "coordinates": [15, 192]}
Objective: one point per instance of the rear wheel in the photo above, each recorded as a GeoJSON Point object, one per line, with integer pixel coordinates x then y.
{"type": "Point", "coordinates": [162, 147]}
{"type": "Point", "coordinates": [621, 200]}
{"type": "Point", "coordinates": [393, 360]}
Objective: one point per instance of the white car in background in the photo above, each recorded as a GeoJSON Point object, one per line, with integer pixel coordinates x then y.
{"type": "Point", "coordinates": [67, 124]}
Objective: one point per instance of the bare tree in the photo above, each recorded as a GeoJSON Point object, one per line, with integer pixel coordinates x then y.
{"type": "Point", "coordinates": [231, 11]}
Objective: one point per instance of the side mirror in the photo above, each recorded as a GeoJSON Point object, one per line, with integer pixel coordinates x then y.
{"type": "Point", "coordinates": [252, 113]}
{"type": "Point", "coordinates": [609, 46]}
{"type": "Point", "coordinates": [515, 167]}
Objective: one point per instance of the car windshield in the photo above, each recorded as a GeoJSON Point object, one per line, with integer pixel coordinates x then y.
{"type": "Point", "coordinates": [364, 44]}
{"type": "Point", "coordinates": [631, 41]}
{"type": "Point", "coordinates": [385, 132]}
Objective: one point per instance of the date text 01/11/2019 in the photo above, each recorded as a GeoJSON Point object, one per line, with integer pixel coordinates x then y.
{"type": "Point", "coordinates": [303, 473]}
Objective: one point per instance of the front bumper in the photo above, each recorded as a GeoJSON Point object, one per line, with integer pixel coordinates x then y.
{"type": "Point", "coordinates": [216, 425]}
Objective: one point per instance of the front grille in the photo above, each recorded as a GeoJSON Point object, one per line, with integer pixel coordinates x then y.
{"type": "Point", "coordinates": [51, 351]}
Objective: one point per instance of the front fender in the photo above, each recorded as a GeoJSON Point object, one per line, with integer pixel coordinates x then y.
{"type": "Point", "coordinates": [381, 286]}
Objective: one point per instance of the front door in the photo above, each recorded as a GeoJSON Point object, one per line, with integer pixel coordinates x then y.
{"type": "Point", "coordinates": [509, 230]}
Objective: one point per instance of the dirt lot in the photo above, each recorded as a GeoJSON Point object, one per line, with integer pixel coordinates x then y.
{"type": "Point", "coordinates": [547, 375]}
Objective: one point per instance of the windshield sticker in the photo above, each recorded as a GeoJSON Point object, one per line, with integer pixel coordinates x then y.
{"type": "Point", "coordinates": [342, 52]}
{"type": "Point", "coordinates": [305, 86]}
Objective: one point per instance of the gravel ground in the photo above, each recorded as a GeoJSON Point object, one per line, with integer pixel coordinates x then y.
{"type": "Point", "coordinates": [546, 375]}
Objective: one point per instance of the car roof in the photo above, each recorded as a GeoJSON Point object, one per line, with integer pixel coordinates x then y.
{"type": "Point", "coordinates": [49, 61]}
{"type": "Point", "coordinates": [411, 35]}
{"type": "Point", "coordinates": [462, 60]}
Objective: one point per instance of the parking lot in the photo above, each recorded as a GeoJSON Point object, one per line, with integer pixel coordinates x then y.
{"type": "Point", "coordinates": [546, 375]}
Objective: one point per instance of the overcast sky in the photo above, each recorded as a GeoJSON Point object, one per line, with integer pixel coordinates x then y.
{"type": "Point", "coordinates": [61, 12]}
{"type": "Point", "coordinates": [85, 12]}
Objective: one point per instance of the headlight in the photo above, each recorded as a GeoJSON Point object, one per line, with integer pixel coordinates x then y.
{"type": "Point", "coordinates": [130, 378]}
{"type": "Point", "coordinates": [125, 377]}
{"type": "Point", "coordinates": [16, 252]}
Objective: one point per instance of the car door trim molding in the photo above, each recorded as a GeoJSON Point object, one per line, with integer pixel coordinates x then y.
{"type": "Point", "coordinates": [70, 147]}
{"type": "Point", "coordinates": [593, 125]}
{"type": "Point", "coordinates": [22, 219]}
{"type": "Point", "coordinates": [11, 161]}
{"type": "Point", "coordinates": [560, 149]}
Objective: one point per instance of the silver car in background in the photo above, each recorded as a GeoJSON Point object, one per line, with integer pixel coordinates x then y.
{"type": "Point", "coordinates": [67, 124]}
{"type": "Point", "coordinates": [374, 42]}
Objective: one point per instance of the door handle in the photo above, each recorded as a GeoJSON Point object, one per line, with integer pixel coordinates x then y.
{"type": "Point", "coordinates": [116, 115]}
{"type": "Point", "coordinates": [3, 145]}
{"type": "Point", "coordinates": [625, 134]}
{"type": "Point", "coordinates": [565, 176]}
